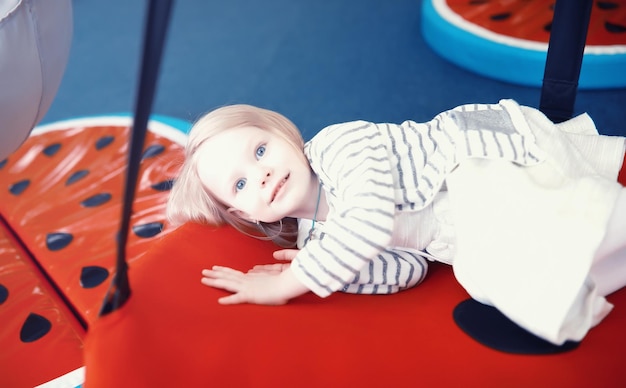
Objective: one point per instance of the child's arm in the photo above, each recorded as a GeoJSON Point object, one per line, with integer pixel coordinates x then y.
{"type": "Point", "coordinates": [257, 288]}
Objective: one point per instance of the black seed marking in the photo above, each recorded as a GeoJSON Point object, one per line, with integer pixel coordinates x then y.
{"type": "Point", "coordinates": [548, 27]}
{"type": "Point", "coordinates": [152, 151]}
{"type": "Point", "coordinates": [4, 293]}
{"type": "Point", "coordinates": [52, 149]}
{"type": "Point", "coordinates": [76, 176]}
{"type": "Point", "coordinates": [500, 16]}
{"type": "Point", "coordinates": [614, 28]}
{"type": "Point", "coordinates": [93, 276]}
{"type": "Point", "coordinates": [148, 230]}
{"type": "Point", "coordinates": [606, 5]}
{"type": "Point", "coordinates": [96, 200]}
{"type": "Point", "coordinates": [18, 188]}
{"type": "Point", "coordinates": [104, 141]}
{"type": "Point", "coordinates": [34, 327]}
{"type": "Point", "coordinates": [164, 185]}
{"type": "Point", "coordinates": [58, 240]}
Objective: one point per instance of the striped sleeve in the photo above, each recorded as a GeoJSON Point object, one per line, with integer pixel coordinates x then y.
{"type": "Point", "coordinates": [389, 272]}
{"type": "Point", "coordinates": [352, 163]}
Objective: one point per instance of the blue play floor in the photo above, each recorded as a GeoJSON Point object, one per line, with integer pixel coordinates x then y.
{"type": "Point", "coordinates": [317, 62]}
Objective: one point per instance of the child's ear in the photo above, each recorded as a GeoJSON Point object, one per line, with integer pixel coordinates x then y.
{"type": "Point", "coordinates": [242, 215]}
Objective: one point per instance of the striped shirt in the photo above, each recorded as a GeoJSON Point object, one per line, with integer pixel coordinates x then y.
{"type": "Point", "coordinates": [372, 171]}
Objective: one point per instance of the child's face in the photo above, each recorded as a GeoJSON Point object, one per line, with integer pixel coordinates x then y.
{"type": "Point", "coordinates": [257, 173]}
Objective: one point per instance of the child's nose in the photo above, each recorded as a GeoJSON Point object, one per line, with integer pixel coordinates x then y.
{"type": "Point", "coordinates": [265, 177]}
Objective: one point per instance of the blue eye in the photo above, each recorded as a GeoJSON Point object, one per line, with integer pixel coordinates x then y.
{"type": "Point", "coordinates": [241, 183]}
{"type": "Point", "coordinates": [260, 151]}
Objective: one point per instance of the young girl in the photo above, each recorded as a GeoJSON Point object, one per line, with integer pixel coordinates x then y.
{"type": "Point", "coordinates": [528, 213]}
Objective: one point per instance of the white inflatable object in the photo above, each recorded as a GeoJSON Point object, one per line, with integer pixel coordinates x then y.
{"type": "Point", "coordinates": [35, 39]}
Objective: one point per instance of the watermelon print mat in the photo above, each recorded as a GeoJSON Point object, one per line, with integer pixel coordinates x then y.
{"type": "Point", "coordinates": [59, 210]}
{"type": "Point", "coordinates": [508, 40]}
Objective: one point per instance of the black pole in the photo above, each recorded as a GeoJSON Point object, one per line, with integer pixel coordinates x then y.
{"type": "Point", "coordinates": [154, 38]}
{"type": "Point", "coordinates": [564, 59]}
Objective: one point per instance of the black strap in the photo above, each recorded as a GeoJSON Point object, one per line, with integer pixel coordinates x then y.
{"type": "Point", "coordinates": [564, 59]}
{"type": "Point", "coordinates": [154, 38]}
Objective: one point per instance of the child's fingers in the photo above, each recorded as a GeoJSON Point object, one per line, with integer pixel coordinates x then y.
{"type": "Point", "coordinates": [266, 268]}
{"type": "Point", "coordinates": [285, 254]}
{"type": "Point", "coordinates": [232, 299]}
{"type": "Point", "coordinates": [218, 272]}
{"type": "Point", "coordinates": [225, 270]}
{"type": "Point", "coordinates": [224, 284]}
{"type": "Point", "coordinates": [222, 277]}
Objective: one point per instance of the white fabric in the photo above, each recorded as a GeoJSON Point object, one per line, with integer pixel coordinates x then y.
{"type": "Point", "coordinates": [35, 39]}
{"type": "Point", "coordinates": [609, 264]}
{"type": "Point", "coordinates": [526, 239]}
{"type": "Point", "coordinates": [428, 232]}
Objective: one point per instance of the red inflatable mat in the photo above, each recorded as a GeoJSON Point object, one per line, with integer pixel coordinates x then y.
{"type": "Point", "coordinates": [531, 20]}
{"type": "Point", "coordinates": [40, 337]}
{"type": "Point", "coordinates": [61, 200]}
{"type": "Point", "coordinates": [172, 332]}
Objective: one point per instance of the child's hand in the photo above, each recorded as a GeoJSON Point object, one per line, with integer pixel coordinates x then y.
{"type": "Point", "coordinates": [275, 269]}
{"type": "Point", "coordinates": [257, 288]}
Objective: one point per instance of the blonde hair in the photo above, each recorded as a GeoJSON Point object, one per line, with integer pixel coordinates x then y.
{"type": "Point", "coordinates": [190, 201]}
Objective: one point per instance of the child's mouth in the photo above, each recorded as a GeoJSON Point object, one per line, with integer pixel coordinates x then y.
{"type": "Point", "coordinates": [278, 187]}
